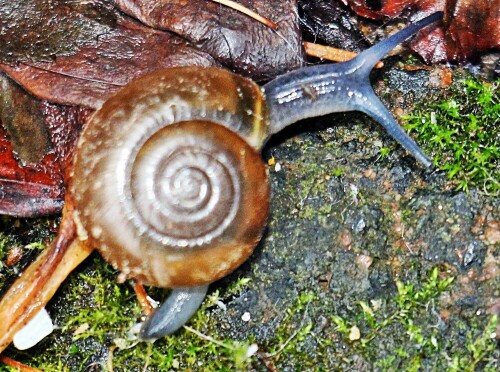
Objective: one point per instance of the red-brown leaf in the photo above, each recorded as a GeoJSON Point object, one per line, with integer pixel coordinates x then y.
{"type": "Point", "coordinates": [32, 190]}
{"type": "Point", "coordinates": [36, 142]}
{"type": "Point", "coordinates": [88, 72]}
{"type": "Point", "coordinates": [469, 26]}
{"type": "Point", "coordinates": [237, 41]}
{"type": "Point", "coordinates": [79, 53]}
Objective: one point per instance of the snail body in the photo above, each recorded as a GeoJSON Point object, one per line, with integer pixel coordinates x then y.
{"type": "Point", "coordinates": [172, 162]}
{"type": "Point", "coordinates": [171, 165]}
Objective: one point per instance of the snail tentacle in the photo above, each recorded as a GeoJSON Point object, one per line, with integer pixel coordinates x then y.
{"type": "Point", "coordinates": [324, 89]}
{"type": "Point", "coordinates": [177, 309]}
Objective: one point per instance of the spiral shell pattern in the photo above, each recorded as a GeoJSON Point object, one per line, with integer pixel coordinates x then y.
{"type": "Point", "coordinates": [185, 187]}
{"type": "Point", "coordinates": [168, 182]}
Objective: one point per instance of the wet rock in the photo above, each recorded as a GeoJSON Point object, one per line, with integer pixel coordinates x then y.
{"type": "Point", "coordinates": [492, 233]}
{"type": "Point", "coordinates": [381, 282]}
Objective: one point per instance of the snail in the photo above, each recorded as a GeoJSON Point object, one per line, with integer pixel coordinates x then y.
{"type": "Point", "coordinates": [168, 181]}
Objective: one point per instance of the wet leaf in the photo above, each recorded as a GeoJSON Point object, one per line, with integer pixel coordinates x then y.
{"type": "Point", "coordinates": [234, 39]}
{"type": "Point", "coordinates": [469, 26]}
{"type": "Point", "coordinates": [36, 142]}
{"type": "Point", "coordinates": [32, 190]}
{"type": "Point", "coordinates": [327, 22]}
{"type": "Point", "coordinates": [80, 53]}
{"type": "Point", "coordinates": [77, 54]}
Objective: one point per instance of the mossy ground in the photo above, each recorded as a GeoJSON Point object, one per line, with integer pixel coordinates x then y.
{"type": "Point", "coordinates": [461, 130]}
{"type": "Point", "coordinates": [369, 262]}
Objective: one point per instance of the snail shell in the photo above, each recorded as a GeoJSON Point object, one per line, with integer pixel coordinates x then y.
{"type": "Point", "coordinates": [168, 181]}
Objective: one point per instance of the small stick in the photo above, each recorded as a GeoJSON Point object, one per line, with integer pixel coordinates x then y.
{"type": "Point", "coordinates": [109, 362]}
{"type": "Point", "coordinates": [331, 54]}
{"type": "Point", "coordinates": [17, 365]}
{"type": "Point", "coordinates": [38, 283]}
{"type": "Point", "coordinates": [142, 297]}
{"type": "Point", "coordinates": [208, 338]}
{"type": "Point", "coordinates": [248, 12]}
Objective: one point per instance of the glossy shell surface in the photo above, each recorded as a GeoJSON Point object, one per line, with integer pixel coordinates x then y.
{"type": "Point", "coordinates": [168, 181]}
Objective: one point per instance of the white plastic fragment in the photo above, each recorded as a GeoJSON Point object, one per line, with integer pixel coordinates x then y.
{"type": "Point", "coordinates": [36, 330]}
{"type": "Point", "coordinates": [221, 305]}
{"type": "Point", "coordinates": [354, 333]}
{"type": "Point", "coordinates": [252, 349]}
{"type": "Point", "coordinates": [246, 317]}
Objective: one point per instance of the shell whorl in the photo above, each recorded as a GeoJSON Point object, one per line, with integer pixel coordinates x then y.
{"type": "Point", "coordinates": [183, 185]}
{"type": "Point", "coordinates": [168, 181]}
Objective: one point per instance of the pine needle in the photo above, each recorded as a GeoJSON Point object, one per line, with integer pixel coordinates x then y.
{"type": "Point", "coordinates": [331, 54]}
{"type": "Point", "coordinates": [17, 365]}
{"type": "Point", "coordinates": [240, 8]}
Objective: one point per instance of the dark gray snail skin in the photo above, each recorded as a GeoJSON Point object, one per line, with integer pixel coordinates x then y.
{"type": "Point", "coordinates": [338, 88]}
{"type": "Point", "coordinates": [177, 309]}
{"type": "Point", "coordinates": [307, 92]}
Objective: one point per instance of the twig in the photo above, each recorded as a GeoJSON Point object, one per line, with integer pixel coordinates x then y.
{"type": "Point", "coordinates": [208, 338]}
{"type": "Point", "coordinates": [331, 54]}
{"type": "Point", "coordinates": [109, 362]}
{"type": "Point", "coordinates": [283, 346]}
{"type": "Point", "coordinates": [142, 297]}
{"type": "Point", "coordinates": [240, 8]}
{"type": "Point", "coordinates": [17, 365]}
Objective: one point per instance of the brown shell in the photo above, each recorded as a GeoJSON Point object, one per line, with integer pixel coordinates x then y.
{"type": "Point", "coordinates": [168, 181]}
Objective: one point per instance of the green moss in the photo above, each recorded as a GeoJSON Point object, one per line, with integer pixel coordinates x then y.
{"type": "Point", "coordinates": [184, 350]}
{"type": "Point", "coordinates": [101, 313]}
{"type": "Point", "coordinates": [314, 183]}
{"type": "Point", "coordinates": [28, 237]}
{"type": "Point", "coordinates": [111, 312]}
{"type": "Point", "coordinates": [461, 131]}
{"type": "Point", "coordinates": [421, 338]}
{"type": "Point", "coordinates": [478, 350]}
{"type": "Point", "coordinates": [109, 306]}
{"type": "Point", "coordinates": [288, 339]}
{"type": "Point", "coordinates": [385, 151]}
